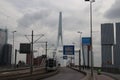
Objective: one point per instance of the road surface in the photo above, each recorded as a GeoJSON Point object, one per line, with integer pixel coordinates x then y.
{"type": "Point", "coordinates": [66, 74]}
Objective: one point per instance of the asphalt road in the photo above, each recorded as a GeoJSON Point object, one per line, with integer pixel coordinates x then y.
{"type": "Point", "coordinates": [66, 74]}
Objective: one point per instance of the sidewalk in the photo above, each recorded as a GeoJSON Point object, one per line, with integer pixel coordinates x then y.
{"type": "Point", "coordinates": [115, 76]}
{"type": "Point", "coordinates": [96, 76]}
{"type": "Point", "coordinates": [102, 77]}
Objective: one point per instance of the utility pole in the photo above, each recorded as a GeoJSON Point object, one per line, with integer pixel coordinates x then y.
{"type": "Point", "coordinates": [91, 1]}
{"type": "Point", "coordinates": [46, 50]}
{"type": "Point", "coordinates": [91, 38]}
{"type": "Point", "coordinates": [12, 62]}
{"type": "Point", "coordinates": [80, 50]}
{"type": "Point", "coordinates": [15, 57]}
{"type": "Point", "coordinates": [31, 54]}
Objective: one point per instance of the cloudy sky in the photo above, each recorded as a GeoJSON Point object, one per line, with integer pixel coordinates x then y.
{"type": "Point", "coordinates": [42, 17]}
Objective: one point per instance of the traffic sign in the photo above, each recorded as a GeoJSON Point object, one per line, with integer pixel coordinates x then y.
{"type": "Point", "coordinates": [25, 48]}
{"type": "Point", "coordinates": [68, 50]}
{"type": "Point", "coordinates": [86, 41]}
{"type": "Point", "coordinates": [65, 57]}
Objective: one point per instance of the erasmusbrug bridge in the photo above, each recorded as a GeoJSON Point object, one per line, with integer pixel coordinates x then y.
{"type": "Point", "coordinates": [59, 37]}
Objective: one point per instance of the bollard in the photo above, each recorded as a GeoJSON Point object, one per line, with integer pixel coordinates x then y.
{"type": "Point", "coordinates": [99, 71]}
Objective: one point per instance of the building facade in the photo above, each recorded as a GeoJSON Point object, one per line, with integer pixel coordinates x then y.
{"type": "Point", "coordinates": [107, 42]}
{"type": "Point", "coordinates": [117, 33]}
{"type": "Point", "coordinates": [110, 48]}
{"type": "Point", "coordinates": [116, 49]}
{"type": "Point", "coordinates": [6, 56]}
{"type": "Point", "coordinates": [3, 41]}
{"type": "Point", "coordinates": [107, 34]}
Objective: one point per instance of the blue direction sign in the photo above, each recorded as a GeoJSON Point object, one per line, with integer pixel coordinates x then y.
{"type": "Point", "coordinates": [68, 50]}
{"type": "Point", "coordinates": [86, 41]}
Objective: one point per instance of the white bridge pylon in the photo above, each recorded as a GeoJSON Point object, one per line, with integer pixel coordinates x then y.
{"type": "Point", "coordinates": [60, 36]}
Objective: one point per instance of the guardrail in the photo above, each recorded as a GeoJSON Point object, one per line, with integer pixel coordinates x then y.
{"type": "Point", "coordinates": [13, 75]}
{"type": "Point", "coordinates": [87, 75]}
{"type": "Point", "coordinates": [25, 75]}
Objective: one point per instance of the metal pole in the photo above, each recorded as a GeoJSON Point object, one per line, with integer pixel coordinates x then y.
{"type": "Point", "coordinates": [91, 38]}
{"type": "Point", "coordinates": [80, 50]}
{"type": "Point", "coordinates": [31, 65]}
{"type": "Point", "coordinates": [15, 57]}
{"type": "Point", "coordinates": [80, 46]}
{"type": "Point", "coordinates": [38, 57]}
{"type": "Point", "coordinates": [46, 50]}
{"type": "Point", "coordinates": [79, 61]}
{"type": "Point", "coordinates": [13, 48]}
{"type": "Point", "coordinates": [88, 56]}
{"type": "Point", "coordinates": [73, 55]}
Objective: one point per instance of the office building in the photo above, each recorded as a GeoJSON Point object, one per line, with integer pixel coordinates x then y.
{"type": "Point", "coordinates": [6, 56]}
{"type": "Point", "coordinates": [107, 34]}
{"type": "Point", "coordinates": [3, 41]}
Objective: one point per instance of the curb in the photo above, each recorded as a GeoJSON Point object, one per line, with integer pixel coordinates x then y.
{"type": "Point", "coordinates": [42, 76]}
{"type": "Point", "coordinates": [49, 74]}
{"type": "Point", "coordinates": [38, 76]}
{"type": "Point", "coordinates": [87, 75]}
{"type": "Point", "coordinates": [110, 76]}
{"type": "Point", "coordinates": [79, 71]}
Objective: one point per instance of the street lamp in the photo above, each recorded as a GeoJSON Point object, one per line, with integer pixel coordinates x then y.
{"type": "Point", "coordinates": [80, 49]}
{"type": "Point", "coordinates": [91, 1]}
{"type": "Point", "coordinates": [73, 55]}
{"type": "Point", "coordinates": [13, 46]}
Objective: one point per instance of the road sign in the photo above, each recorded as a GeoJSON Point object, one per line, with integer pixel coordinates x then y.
{"type": "Point", "coordinates": [68, 50]}
{"type": "Point", "coordinates": [86, 41]}
{"type": "Point", "coordinates": [65, 57]}
{"type": "Point", "coordinates": [25, 48]}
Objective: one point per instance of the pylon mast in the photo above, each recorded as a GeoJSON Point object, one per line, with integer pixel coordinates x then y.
{"type": "Point", "coordinates": [59, 31]}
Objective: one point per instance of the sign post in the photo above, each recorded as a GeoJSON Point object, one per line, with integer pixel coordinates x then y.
{"type": "Point", "coordinates": [68, 50]}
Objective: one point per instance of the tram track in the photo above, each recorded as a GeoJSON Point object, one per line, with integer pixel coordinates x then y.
{"type": "Point", "coordinates": [24, 74]}
{"type": "Point", "coordinates": [13, 75]}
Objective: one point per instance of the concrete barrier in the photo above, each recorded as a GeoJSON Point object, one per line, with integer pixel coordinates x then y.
{"type": "Point", "coordinates": [87, 75]}
{"type": "Point", "coordinates": [42, 76]}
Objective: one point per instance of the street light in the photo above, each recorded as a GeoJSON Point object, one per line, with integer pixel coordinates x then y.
{"type": "Point", "coordinates": [13, 46]}
{"type": "Point", "coordinates": [91, 1]}
{"type": "Point", "coordinates": [74, 55]}
{"type": "Point", "coordinates": [80, 50]}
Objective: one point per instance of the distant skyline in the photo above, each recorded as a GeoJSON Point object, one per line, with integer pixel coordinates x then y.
{"type": "Point", "coordinates": [42, 16]}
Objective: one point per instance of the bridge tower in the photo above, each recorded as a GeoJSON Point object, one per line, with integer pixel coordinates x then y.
{"type": "Point", "coordinates": [59, 37]}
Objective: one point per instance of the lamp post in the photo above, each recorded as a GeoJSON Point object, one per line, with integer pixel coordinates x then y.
{"type": "Point", "coordinates": [38, 57]}
{"type": "Point", "coordinates": [80, 49]}
{"type": "Point", "coordinates": [13, 46]}
{"type": "Point", "coordinates": [46, 49]}
{"type": "Point", "coordinates": [91, 1]}
{"type": "Point", "coordinates": [74, 51]}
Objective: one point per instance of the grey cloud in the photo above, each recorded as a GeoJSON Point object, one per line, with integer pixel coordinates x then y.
{"type": "Point", "coordinates": [28, 19]}
{"type": "Point", "coordinates": [22, 5]}
{"type": "Point", "coordinates": [114, 11]}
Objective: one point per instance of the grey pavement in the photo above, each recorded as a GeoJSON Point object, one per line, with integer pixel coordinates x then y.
{"type": "Point", "coordinates": [67, 74]}
{"type": "Point", "coordinates": [98, 77]}
{"type": "Point", "coordinates": [115, 76]}
{"type": "Point", "coordinates": [103, 76]}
